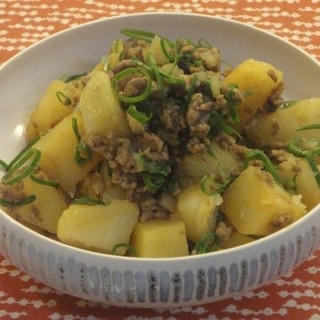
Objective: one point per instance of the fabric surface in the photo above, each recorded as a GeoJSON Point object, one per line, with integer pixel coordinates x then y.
{"type": "Point", "coordinates": [294, 296]}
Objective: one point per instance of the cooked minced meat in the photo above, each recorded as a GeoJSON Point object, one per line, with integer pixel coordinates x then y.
{"type": "Point", "coordinates": [198, 115]}
{"type": "Point", "coordinates": [184, 119]}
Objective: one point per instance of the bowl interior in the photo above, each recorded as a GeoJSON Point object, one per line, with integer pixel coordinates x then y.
{"type": "Point", "coordinates": [24, 78]}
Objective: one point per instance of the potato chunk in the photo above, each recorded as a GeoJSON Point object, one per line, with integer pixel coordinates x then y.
{"type": "Point", "coordinates": [58, 154]}
{"type": "Point", "coordinates": [198, 211]}
{"type": "Point", "coordinates": [98, 227]}
{"type": "Point", "coordinates": [160, 238]}
{"type": "Point", "coordinates": [219, 161]}
{"type": "Point", "coordinates": [100, 107]}
{"type": "Point", "coordinates": [281, 126]}
{"type": "Point", "coordinates": [47, 208]}
{"type": "Point", "coordinates": [257, 80]}
{"type": "Point", "coordinates": [58, 101]}
{"type": "Point", "coordinates": [299, 171]}
{"type": "Point", "coordinates": [256, 205]}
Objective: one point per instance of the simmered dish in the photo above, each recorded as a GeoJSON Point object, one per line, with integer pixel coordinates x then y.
{"type": "Point", "coordinates": [165, 150]}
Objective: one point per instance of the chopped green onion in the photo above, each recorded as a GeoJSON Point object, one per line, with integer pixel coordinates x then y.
{"type": "Point", "coordinates": [64, 99]}
{"type": "Point", "coordinates": [203, 43]}
{"type": "Point", "coordinates": [23, 202]}
{"type": "Point", "coordinates": [127, 246]}
{"type": "Point", "coordinates": [138, 115]}
{"type": "Point", "coordinates": [88, 201]}
{"type": "Point", "coordinates": [288, 104]}
{"type": "Point", "coordinates": [269, 166]}
{"type": "Point", "coordinates": [313, 165]}
{"type": "Point", "coordinates": [69, 78]}
{"type": "Point", "coordinates": [233, 102]}
{"type": "Point", "coordinates": [309, 127]}
{"type": "Point", "coordinates": [15, 174]}
{"type": "Point", "coordinates": [216, 121]}
{"type": "Point", "coordinates": [301, 146]}
{"type": "Point", "coordinates": [164, 43]}
{"type": "Point", "coordinates": [23, 151]}
{"type": "Point", "coordinates": [4, 167]}
{"type": "Point", "coordinates": [153, 182]}
{"type": "Point", "coordinates": [122, 75]}
{"type": "Point", "coordinates": [138, 34]}
{"type": "Point", "coordinates": [210, 186]}
{"type": "Point", "coordinates": [44, 182]}
{"type": "Point", "coordinates": [192, 89]}
{"type": "Point", "coordinates": [83, 153]}
{"type": "Point", "coordinates": [207, 244]}
{"type": "Point", "coordinates": [146, 165]}
{"type": "Point", "coordinates": [157, 74]}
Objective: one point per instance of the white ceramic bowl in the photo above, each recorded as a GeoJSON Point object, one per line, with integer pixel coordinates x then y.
{"type": "Point", "coordinates": [149, 282]}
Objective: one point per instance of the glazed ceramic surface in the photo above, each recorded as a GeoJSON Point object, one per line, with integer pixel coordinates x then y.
{"type": "Point", "coordinates": [134, 282]}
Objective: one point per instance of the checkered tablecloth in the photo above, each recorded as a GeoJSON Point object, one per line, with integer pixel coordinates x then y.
{"type": "Point", "coordinates": [295, 296]}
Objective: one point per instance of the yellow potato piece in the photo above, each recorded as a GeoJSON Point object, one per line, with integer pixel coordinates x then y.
{"type": "Point", "coordinates": [45, 211]}
{"type": "Point", "coordinates": [160, 238]}
{"type": "Point", "coordinates": [58, 101]}
{"type": "Point", "coordinates": [198, 211]}
{"type": "Point", "coordinates": [58, 152]}
{"type": "Point", "coordinates": [217, 161]}
{"type": "Point", "coordinates": [299, 171]}
{"type": "Point", "coordinates": [256, 205]}
{"type": "Point", "coordinates": [99, 227]}
{"type": "Point", "coordinates": [257, 80]}
{"type": "Point", "coordinates": [281, 126]}
{"type": "Point", "coordinates": [100, 108]}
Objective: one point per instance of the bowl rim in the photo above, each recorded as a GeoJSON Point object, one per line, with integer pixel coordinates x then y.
{"type": "Point", "coordinates": [137, 260]}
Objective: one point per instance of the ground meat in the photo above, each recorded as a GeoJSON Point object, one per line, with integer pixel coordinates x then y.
{"type": "Point", "coordinates": [276, 99]}
{"type": "Point", "coordinates": [198, 115]}
{"type": "Point", "coordinates": [119, 155]}
{"type": "Point", "coordinates": [133, 85]}
{"type": "Point", "coordinates": [133, 48]}
{"type": "Point", "coordinates": [12, 193]}
{"type": "Point", "coordinates": [153, 147]}
{"type": "Point", "coordinates": [230, 144]}
{"type": "Point", "coordinates": [172, 122]}
{"type": "Point", "coordinates": [223, 231]}
{"type": "Point", "coordinates": [281, 221]}
{"type": "Point", "coordinates": [196, 145]}
{"type": "Point", "coordinates": [122, 65]}
{"type": "Point", "coordinates": [152, 209]}
{"type": "Point", "coordinates": [210, 58]}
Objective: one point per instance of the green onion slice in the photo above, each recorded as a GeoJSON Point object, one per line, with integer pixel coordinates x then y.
{"type": "Point", "coordinates": [23, 202]}
{"type": "Point", "coordinates": [165, 43]}
{"type": "Point", "coordinates": [122, 75]}
{"type": "Point", "coordinates": [44, 182]}
{"type": "Point", "coordinates": [69, 78]}
{"type": "Point", "coordinates": [300, 147]}
{"type": "Point", "coordinates": [138, 115]}
{"type": "Point", "coordinates": [138, 34]}
{"type": "Point", "coordinates": [232, 102]}
{"type": "Point", "coordinates": [309, 127]}
{"type": "Point", "coordinates": [23, 151]}
{"type": "Point", "coordinates": [206, 244]}
{"type": "Point", "coordinates": [63, 98]}
{"type": "Point", "coordinates": [23, 167]}
{"type": "Point", "coordinates": [3, 166]}
{"type": "Point", "coordinates": [88, 201]}
{"type": "Point", "coordinates": [269, 166]}
{"type": "Point", "coordinates": [314, 167]}
{"type": "Point", "coordinates": [210, 186]}
{"type": "Point", "coordinates": [153, 181]}
{"type": "Point", "coordinates": [127, 246]}
{"type": "Point", "coordinates": [156, 71]}
{"type": "Point", "coordinates": [83, 153]}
